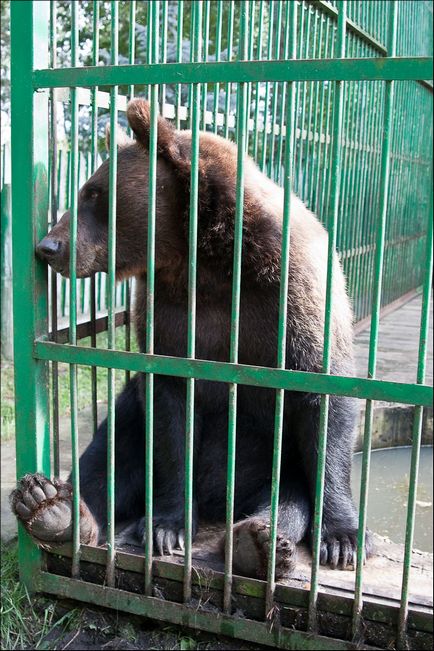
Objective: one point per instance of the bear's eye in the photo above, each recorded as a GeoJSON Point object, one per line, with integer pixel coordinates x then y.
{"type": "Point", "coordinates": [91, 194]}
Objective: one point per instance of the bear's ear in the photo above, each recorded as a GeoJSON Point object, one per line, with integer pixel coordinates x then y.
{"type": "Point", "coordinates": [122, 139]}
{"type": "Point", "coordinates": [139, 118]}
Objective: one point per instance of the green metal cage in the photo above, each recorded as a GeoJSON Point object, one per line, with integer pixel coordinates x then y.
{"type": "Point", "coordinates": [333, 102]}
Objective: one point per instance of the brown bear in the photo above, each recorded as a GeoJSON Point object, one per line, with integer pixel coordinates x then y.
{"type": "Point", "coordinates": [44, 506]}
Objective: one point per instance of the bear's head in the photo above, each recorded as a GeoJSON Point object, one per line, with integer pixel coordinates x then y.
{"type": "Point", "coordinates": [132, 187]}
{"type": "Point", "coordinates": [216, 208]}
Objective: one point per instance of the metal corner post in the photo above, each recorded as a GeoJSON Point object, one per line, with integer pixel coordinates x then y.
{"type": "Point", "coordinates": [29, 50]}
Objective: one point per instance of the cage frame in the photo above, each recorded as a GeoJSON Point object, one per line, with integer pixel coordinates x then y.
{"type": "Point", "coordinates": [32, 82]}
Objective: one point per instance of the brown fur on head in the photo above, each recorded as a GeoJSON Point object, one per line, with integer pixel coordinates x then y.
{"type": "Point", "coordinates": [131, 208]}
{"type": "Point", "coordinates": [139, 118]}
{"type": "Point", "coordinates": [122, 138]}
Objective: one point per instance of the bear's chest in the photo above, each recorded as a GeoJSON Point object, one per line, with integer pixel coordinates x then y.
{"type": "Point", "coordinates": [257, 326]}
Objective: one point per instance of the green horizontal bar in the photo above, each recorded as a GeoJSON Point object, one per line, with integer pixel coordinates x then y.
{"type": "Point", "coordinates": [163, 610]}
{"type": "Point", "coordinates": [420, 617]}
{"type": "Point", "coordinates": [272, 378]}
{"type": "Point", "coordinates": [367, 69]}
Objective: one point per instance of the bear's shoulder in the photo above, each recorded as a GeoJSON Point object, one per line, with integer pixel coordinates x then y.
{"type": "Point", "coordinates": [262, 213]}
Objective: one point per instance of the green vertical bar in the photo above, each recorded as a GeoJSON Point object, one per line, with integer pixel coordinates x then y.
{"type": "Point", "coordinates": [368, 234]}
{"type": "Point", "coordinates": [191, 317]}
{"type": "Point", "coordinates": [59, 177]}
{"type": "Point", "coordinates": [251, 23]}
{"type": "Point", "coordinates": [3, 164]}
{"type": "Point", "coordinates": [131, 61]}
{"type": "Point", "coordinates": [283, 312]}
{"type": "Point", "coordinates": [417, 431]}
{"type": "Point", "coordinates": [304, 87]}
{"type": "Point", "coordinates": [190, 86]}
{"type": "Point", "coordinates": [29, 21]}
{"type": "Point", "coordinates": [164, 6]}
{"type": "Point", "coordinates": [278, 166]}
{"type": "Point", "coordinates": [111, 301]}
{"type": "Point", "coordinates": [132, 41]}
{"type": "Point", "coordinates": [324, 111]}
{"type": "Point", "coordinates": [150, 280]}
{"type": "Point", "coordinates": [349, 138]}
{"type": "Point", "coordinates": [316, 127]}
{"type": "Point", "coordinates": [229, 57]}
{"type": "Point", "coordinates": [206, 21]}
{"type": "Point", "coordinates": [348, 247]}
{"type": "Point", "coordinates": [73, 300]}
{"type": "Point", "coordinates": [375, 322]}
{"type": "Point", "coordinates": [93, 166]}
{"type": "Point", "coordinates": [149, 36]}
{"type": "Point", "coordinates": [68, 180]}
{"type": "Point", "coordinates": [271, 163]}
{"type": "Point", "coordinates": [355, 275]}
{"type": "Point", "coordinates": [218, 51]}
{"type": "Point", "coordinates": [267, 85]}
{"type": "Point", "coordinates": [53, 276]}
{"type": "Point", "coordinates": [327, 148]}
{"type": "Point", "coordinates": [235, 312]}
{"type": "Point", "coordinates": [332, 223]}
{"type": "Point", "coordinates": [67, 206]}
{"type": "Point", "coordinates": [179, 58]}
{"type": "Point", "coordinates": [93, 93]}
{"type": "Point", "coordinates": [99, 291]}
{"type": "Point", "coordinates": [298, 100]}
{"type": "Point", "coordinates": [257, 85]}
{"type": "Point", "coordinates": [310, 128]}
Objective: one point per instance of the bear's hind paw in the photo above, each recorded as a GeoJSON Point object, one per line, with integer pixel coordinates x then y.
{"type": "Point", "coordinates": [45, 509]}
{"type": "Point", "coordinates": [251, 550]}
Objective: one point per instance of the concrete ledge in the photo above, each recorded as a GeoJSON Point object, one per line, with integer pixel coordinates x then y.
{"type": "Point", "coordinates": [392, 427]}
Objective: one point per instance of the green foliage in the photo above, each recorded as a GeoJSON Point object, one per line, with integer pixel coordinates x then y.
{"type": "Point", "coordinates": [187, 644]}
{"type": "Point", "coordinates": [7, 402]}
{"type": "Point", "coordinates": [25, 622]}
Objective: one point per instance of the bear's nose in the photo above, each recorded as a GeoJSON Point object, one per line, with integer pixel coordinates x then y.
{"type": "Point", "coordinates": [48, 248]}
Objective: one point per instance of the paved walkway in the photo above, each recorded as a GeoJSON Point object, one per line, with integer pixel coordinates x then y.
{"type": "Point", "coordinates": [397, 361]}
{"type": "Point", "coordinates": [398, 343]}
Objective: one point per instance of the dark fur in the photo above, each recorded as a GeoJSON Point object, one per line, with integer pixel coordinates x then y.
{"type": "Point", "coordinates": [262, 232]}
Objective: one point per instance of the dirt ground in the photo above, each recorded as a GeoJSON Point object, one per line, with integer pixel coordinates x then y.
{"type": "Point", "coordinates": [94, 629]}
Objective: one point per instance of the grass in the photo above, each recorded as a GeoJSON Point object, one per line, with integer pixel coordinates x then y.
{"type": "Point", "coordinates": [26, 622]}
{"type": "Point", "coordinates": [84, 384]}
{"type": "Point", "coordinates": [7, 401]}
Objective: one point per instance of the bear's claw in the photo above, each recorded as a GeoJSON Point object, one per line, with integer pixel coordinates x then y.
{"type": "Point", "coordinates": [167, 535]}
{"type": "Point", "coordinates": [341, 550]}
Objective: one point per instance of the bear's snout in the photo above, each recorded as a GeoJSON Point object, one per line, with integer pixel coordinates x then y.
{"type": "Point", "coordinates": [48, 248]}
{"type": "Point", "coordinates": [52, 250]}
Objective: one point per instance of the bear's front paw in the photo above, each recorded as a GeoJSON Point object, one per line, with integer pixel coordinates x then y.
{"type": "Point", "coordinates": [44, 507]}
{"type": "Point", "coordinates": [251, 550]}
{"type": "Point", "coordinates": [340, 550]}
{"type": "Point", "coordinates": [168, 534]}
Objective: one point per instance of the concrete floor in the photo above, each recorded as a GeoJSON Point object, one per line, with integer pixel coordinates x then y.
{"type": "Point", "coordinates": [398, 343]}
